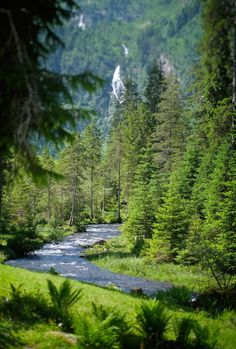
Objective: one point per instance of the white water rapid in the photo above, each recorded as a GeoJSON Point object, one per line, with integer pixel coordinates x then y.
{"type": "Point", "coordinates": [66, 257]}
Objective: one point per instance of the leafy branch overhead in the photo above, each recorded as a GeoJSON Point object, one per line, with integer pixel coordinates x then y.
{"type": "Point", "coordinates": [32, 98]}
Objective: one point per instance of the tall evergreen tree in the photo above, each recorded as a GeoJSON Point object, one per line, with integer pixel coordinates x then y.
{"type": "Point", "coordinates": [91, 139]}
{"type": "Point", "coordinates": [139, 225]}
{"type": "Point", "coordinates": [169, 135]}
{"type": "Point", "coordinates": [217, 49]}
{"type": "Point", "coordinates": [154, 87]}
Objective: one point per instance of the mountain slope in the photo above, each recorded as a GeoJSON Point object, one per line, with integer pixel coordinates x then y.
{"type": "Point", "coordinates": [131, 33]}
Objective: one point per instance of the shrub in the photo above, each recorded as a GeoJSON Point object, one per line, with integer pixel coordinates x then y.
{"type": "Point", "coordinates": [24, 240]}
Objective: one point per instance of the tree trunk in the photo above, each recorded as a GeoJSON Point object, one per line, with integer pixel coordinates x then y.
{"type": "Point", "coordinates": [118, 194]}
{"type": "Point", "coordinates": [49, 200]}
{"type": "Point", "coordinates": [234, 77]}
{"type": "Point", "coordinates": [1, 186]}
{"type": "Point", "coordinates": [234, 58]}
{"type": "Point", "coordinates": [61, 205]}
{"type": "Point", "coordinates": [74, 197]}
{"type": "Point", "coordinates": [104, 201]}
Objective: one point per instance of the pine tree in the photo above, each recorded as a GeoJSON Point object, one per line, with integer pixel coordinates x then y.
{"type": "Point", "coordinates": [91, 139]}
{"type": "Point", "coordinates": [154, 87]}
{"type": "Point", "coordinates": [171, 227]}
{"type": "Point", "coordinates": [141, 214]}
{"type": "Point", "coordinates": [219, 232]}
{"type": "Point", "coordinates": [217, 49]}
{"type": "Point", "coordinates": [169, 136]}
{"type": "Point", "coordinates": [71, 165]}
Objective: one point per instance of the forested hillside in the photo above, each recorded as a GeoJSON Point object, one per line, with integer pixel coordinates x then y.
{"type": "Point", "coordinates": [133, 34]}
{"type": "Point", "coordinates": [159, 158]}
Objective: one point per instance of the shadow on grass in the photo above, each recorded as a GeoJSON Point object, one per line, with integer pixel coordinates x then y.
{"type": "Point", "coordinates": [177, 297]}
{"type": "Point", "coordinates": [214, 301]}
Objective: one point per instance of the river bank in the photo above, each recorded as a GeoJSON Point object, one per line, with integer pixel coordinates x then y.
{"type": "Point", "coordinates": [65, 258]}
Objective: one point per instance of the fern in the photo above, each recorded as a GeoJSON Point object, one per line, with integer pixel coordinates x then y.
{"type": "Point", "coordinates": [96, 334]}
{"type": "Point", "coordinates": [64, 296]}
{"type": "Point", "coordinates": [203, 339]}
{"type": "Point", "coordinates": [152, 323]}
{"type": "Point", "coordinates": [62, 299]}
{"type": "Point", "coordinates": [183, 329]}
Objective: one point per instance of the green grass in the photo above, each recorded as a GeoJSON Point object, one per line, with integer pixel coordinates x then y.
{"type": "Point", "coordinates": [115, 255]}
{"type": "Point", "coordinates": [193, 278]}
{"type": "Point", "coordinates": [47, 335]}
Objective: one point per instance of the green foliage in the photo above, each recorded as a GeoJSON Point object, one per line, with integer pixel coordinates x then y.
{"type": "Point", "coordinates": [41, 97]}
{"type": "Point", "coordinates": [96, 334]}
{"type": "Point", "coordinates": [139, 225]}
{"type": "Point", "coordinates": [23, 241]}
{"type": "Point", "coordinates": [154, 87]}
{"type": "Point", "coordinates": [202, 338]}
{"type": "Point", "coordinates": [62, 299]}
{"type": "Point", "coordinates": [64, 296]}
{"type": "Point", "coordinates": [152, 321]}
{"type": "Point", "coordinates": [216, 49]}
{"type": "Point", "coordinates": [25, 307]}
{"type": "Point", "coordinates": [170, 229]}
{"type": "Point", "coordinates": [8, 338]}
{"type": "Point", "coordinates": [216, 301]}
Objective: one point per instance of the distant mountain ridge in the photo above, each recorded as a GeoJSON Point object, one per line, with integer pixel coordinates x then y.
{"type": "Point", "coordinates": [132, 34]}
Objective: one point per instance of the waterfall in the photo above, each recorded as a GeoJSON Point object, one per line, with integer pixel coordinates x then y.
{"type": "Point", "coordinates": [126, 50]}
{"type": "Point", "coordinates": [81, 23]}
{"type": "Point", "coordinates": [117, 85]}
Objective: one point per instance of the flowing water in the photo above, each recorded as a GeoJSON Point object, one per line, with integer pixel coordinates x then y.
{"type": "Point", "coordinates": [65, 257]}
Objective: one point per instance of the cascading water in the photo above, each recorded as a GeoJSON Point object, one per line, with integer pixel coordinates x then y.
{"type": "Point", "coordinates": [81, 23]}
{"type": "Point", "coordinates": [117, 85]}
{"type": "Point", "coordinates": [126, 50]}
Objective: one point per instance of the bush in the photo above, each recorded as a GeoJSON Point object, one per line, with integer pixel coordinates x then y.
{"type": "Point", "coordinates": [24, 240]}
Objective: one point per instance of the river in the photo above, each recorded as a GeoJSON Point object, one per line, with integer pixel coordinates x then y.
{"type": "Point", "coordinates": [65, 257]}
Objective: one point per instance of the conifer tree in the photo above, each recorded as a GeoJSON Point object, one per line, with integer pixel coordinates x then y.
{"type": "Point", "coordinates": [32, 98]}
{"type": "Point", "coordinates": [171, 227]}
{"type": "Point", "coordinates": [72, 169]}
{"type": "Point", "coordinates": [219, 234]}
{"type": "Point", "coordinates": [139, 225]}
{"type": "Point", "coordinates": [91, 139]}
{"type": "Point", "coordinates": [155, 86]}
{"type": "Point", "coordinates": [169, 135]}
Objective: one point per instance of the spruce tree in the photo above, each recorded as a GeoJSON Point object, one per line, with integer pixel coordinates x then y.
{"type": "Point", "coordinates": [91, 140]}
{"type": "Point", "coordinates": [169, 135]}
{"type": "Point", "coordinates": [141, 214]}
{"type": "Point", "coordinates": [154, 87]}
